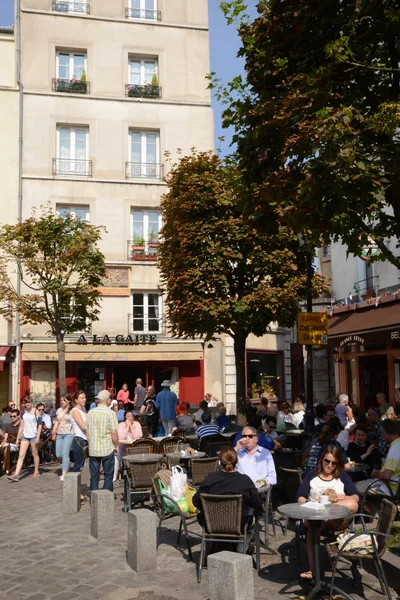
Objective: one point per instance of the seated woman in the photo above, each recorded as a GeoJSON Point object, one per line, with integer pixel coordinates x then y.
{"type": "Point", "coordinates": [328, 479]}
{"type": "Point", "coordinates": [129, 430]}
{"type": "Point", "coordinates": [229, 481]}
{"type": "Point", "coordinates": [222, 420]}
{"type": "Point", "coordinates": [328, 436]}
{"type": "Point", "coordinates": [360, 451]}
{"type": "Point", "coordinates": [183, 419]}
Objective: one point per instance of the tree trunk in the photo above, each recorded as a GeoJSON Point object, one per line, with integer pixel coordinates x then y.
{"type": "Point", "coordinates": [61, 366]}
{"type": "Point", "coordinates": [239, 345]}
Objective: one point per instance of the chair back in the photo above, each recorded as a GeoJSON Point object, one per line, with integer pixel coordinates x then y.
{"type": "Point", "coordinates": [213, 444]}
{"type": "Point", "coordinates": [170, 445]}
{"type": "Point", "coordinates": [222, 514]}
{"type": "Point", "coordinates": [179, 433]}
{"type": "Point", "coordinates": [387, 514]}
{"type": "Point", "coordinates": [141, 474]}
{"type": "Point", "coordinates": [147, 446]}
{"type": "Point", "coordinates": [291, 479]}
{"type": "Point", "coordinates": [201, 467]}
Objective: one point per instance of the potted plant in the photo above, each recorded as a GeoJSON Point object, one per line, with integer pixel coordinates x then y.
{"type": "Point", "coordinates": [137, 247]}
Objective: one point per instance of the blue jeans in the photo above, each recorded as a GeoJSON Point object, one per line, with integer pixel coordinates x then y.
{"type": "Point", "coordinates": [79, 459]}
{"type": "Point", "coordinates": [108, 468]}
{"type": "Point", "coordinates": [63, 446]}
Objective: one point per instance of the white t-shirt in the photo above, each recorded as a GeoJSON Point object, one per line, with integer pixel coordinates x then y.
{"type": "Point", "coordinates": [318, 486]}
{"type": "Point", "coordinates": [31, 422]}
{"type": "Point", "coordinates": [76, 429]}
{"type": "Point", "coordinates": [298, 417]}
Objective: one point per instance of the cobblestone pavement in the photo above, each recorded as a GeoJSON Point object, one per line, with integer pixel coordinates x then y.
{"type": "Point", "coordinates": [47, 555]}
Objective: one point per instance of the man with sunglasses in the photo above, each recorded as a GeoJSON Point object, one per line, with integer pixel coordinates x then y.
{"type": "Point", "coordinates": [8, 444]}
{"type": "Point", "coordinates": [253, 460]}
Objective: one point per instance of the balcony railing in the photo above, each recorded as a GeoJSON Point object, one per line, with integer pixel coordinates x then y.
{"type": "Point", "coordinates": [71, 7]}
{"type": "Point", "coordinates": [143, 13]}
{"type": "Point", "coordinates": [139, 250]}
{"type": "Point", "coordinates": [76, 168]}
{"type": "Point", "coordinates": [143, 91]}
{"type": "Point", "coordinates": [71, 86]}
{"type": "Point", "coordinates": [134, 170]}
{"type": "Point", "coordinates": [145, 325]}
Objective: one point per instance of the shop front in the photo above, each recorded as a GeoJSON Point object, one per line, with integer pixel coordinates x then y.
{"type": "Point", "coordinates": [93, 367]}
{"type": "Point", "coordinates": [366, 350]}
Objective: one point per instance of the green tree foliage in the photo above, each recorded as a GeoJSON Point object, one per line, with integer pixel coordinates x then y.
{"type": "Point", "coordinates": [318, 128]}
{"type": "Point", "coordinates": [220, 274]}
{"type": "Point", "coordinates": [61, 269]}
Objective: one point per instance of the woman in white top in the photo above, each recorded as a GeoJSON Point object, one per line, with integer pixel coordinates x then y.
{"type": "Point", "coordinates": [63, 430]}
{"type": "Point", "coordinates": [79, 415]}
{"type": "Point", "coordinates": [28, 435]}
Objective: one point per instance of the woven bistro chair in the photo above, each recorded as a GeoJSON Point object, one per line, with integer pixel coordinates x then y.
{"type": "Point", "coordinates": [170, 444]}
{"type": "Point", "coordinates": [147, 446]}
{"type": "Point", "coordinates": [222, 517]}
{"type": "Point", "coordinates": [179, 433]}
{"type": "Point", "coordinates": [379, 537]}
{"type": "Point", "coordinates": [202, 467]}
{"type": "Point", "coordinates": [138, 482]}
{"type": "Point", "coordinates": [166, 508]}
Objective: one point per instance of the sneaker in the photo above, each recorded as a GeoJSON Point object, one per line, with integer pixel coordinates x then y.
{"type": "Point", "coordinates": [62, 478]}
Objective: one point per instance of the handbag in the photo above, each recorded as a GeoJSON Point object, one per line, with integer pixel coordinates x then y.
{"type": "Point", "coordinates": [85, 449]}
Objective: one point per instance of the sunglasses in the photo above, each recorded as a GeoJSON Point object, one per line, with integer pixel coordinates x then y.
{"type": "Point", "coordinates": [249, 435]}
{"type": "Point", "coordinates": [40, 409]}
{"type": "Point", "coordinates": [14, 416]}
{"type": "Point", "coordinates": [330, 462]}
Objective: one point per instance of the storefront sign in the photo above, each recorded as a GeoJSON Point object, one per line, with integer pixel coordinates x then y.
{"type": "Point", "coordinates": [395, 335]}
{"type": "Point", "coordinates": [371, 250]}
{"type": "Point", "coordinates": [351, 339]}
{"type": "Point", "coordinates": [129, 340]}
{"type": "Point", "coordinates": [312, 328]}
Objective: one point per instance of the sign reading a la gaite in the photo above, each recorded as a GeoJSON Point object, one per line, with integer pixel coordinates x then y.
{"type": "Point", "coordinates": [312, 328]}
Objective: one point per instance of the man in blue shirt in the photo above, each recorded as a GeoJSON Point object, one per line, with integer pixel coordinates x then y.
{"type": "Point", "coordinates": [166, 402]}
{"type": "Point", "coordinates": [253, 460]}
{"type": "Point", "coordinates": [263, 440]}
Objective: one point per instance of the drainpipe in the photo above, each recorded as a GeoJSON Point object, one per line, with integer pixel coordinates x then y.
{"type": "Point", "coordinates": [17, 363]}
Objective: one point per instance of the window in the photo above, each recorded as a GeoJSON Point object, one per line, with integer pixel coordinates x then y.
{"type": "Point", "coordinates": [143, 9]}
{"type": "Point", "coordinates": [141, 72]}
{"type": "Point", "coordinates": [72, 151]}
{"type": "Point", "coordinates": [71, 6]}
{"type": "Point", "coordinates": [326, 251]}
{"type": "Point", "coordinates": [71, 69]}
{"type": "Point", "coordinates": [146, 226]}
{"type": "Point", "coordinates": [146, 316]}
{"type": "Point", "coordinates": [79, 212]}
{"type": "Point", "coordinates": [144, 152]}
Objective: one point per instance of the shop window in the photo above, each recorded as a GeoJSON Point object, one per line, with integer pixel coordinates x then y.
{"type": "Point", "coordinates": [146, 315]}
{"type": "Point", "coordinates": [264, 369]}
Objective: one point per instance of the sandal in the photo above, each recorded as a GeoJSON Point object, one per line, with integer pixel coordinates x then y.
{"type": "Point", "coordinates": [307, 575]}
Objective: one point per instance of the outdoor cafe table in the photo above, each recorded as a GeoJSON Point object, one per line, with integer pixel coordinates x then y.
{"type": "Point", "coordinates": [142, 458]}
{"type": "Point", "coordinates": [333, 511]}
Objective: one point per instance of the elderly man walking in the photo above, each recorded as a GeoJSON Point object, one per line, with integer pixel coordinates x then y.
{"type": "Point", "coordinates": [102, 429]}
{"type": "Point", "coordinates": [166, 403]}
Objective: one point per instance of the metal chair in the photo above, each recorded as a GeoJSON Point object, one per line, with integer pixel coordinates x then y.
{"type": "Point", "coordinates": [162, 505]}
{"type": "Point", "coordinates": [202, 467]}
{"type": "Point", "coordinates": [146, 446]}
{"type": "Point", "coordinates": [222, 516]}
{"type": "Point", "coordinates": [138, 481]}
{"type": "Point", "coordinates": [393, 496]}
{"type": "Point", "coordinates": [379, 538]}
{"type": "Point", "coordinates": [213, 444]}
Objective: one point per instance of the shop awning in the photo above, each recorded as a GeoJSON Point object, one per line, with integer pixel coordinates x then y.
{"type": "Point", "coordinates": [374, 324]}
{"type": "Point", "coordinates": [3, 353]}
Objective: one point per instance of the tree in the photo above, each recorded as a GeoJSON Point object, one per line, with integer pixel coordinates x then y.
{"type": "Point", "coordinates": [317, 128]}
{"type": "Point", "coordinates": [60, 268]}
{"type": "Point", "coordinates": [220, 274]}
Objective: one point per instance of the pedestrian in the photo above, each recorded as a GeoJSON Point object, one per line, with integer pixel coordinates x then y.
{"type": "Point", "coordinates": [166, 402]}
{"type": "Point", "coordinates": [63, 432]}
{"type": "Point", "coordinates": [28, 435]}
{"type": "Point", "coordinates": [123, 396]}
{"type": "Point", "coordinates": [102, 428]}
{"type": "Point", "coordinates": [79, 416]}
{"type": "Point", "coordinates": [139, 394]}
{"type": "Point", "coordinates": [342, 410]}
{"type": "Point", "coordinates": [149, 412]}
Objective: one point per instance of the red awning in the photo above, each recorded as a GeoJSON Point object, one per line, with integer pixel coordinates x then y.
{"type": "Point", "coordinates": [4, 350]}
{"type": "Point", "coordinates": [373, 324]}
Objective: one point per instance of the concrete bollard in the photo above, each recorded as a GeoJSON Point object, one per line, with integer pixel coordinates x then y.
{"type": "Point", "coordinates": [72, 493]}
{"type": "Point", "coordinates": [230, 576]}
{"type": "Point", "coordinates": [142, 540]}
{"type": "Point", "coordinates": [102, 514]}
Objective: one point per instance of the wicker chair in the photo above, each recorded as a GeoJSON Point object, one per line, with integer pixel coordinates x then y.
{"type": "Point", "coordinates": [379, 538]}
{"type": "Point", "coordinates": [163, 514]}
{"type": "Point", "coordinates": [179, 433]}
{"type": "Point", "coordinates": [202, 467]}
{"type": "Point", "coordinates": [138, 481]}
{"type": "Point", "coordinates": [212, 444]}
{"type": "Point", "coordinates": [222, 515]}
{"type": "Point", "coordinates": [147, 446]}
{"type": "Point", "coordinates": [170, 444]}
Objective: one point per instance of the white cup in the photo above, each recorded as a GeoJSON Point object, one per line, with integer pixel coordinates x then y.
{"type": "Point", "coordinates": [324, 499]}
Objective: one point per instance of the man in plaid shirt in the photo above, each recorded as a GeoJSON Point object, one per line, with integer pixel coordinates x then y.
{"type": "Point", "coordinates": [102, 429]}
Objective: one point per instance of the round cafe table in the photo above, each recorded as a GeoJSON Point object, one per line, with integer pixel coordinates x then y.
{"type": "Point", "coordinates": [186, 456]}
{"type": "Point", "coordinates": [140, 458]}
{"type": "Point", "coordinates": [300, 511]}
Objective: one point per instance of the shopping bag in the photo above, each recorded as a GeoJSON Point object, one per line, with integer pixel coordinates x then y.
{"type": "Point", "coordinates": [178, 483]}
{"type": "Point", "coordinates": [190, 492]}
{"type": "Point", "coordinates": [169, 508]}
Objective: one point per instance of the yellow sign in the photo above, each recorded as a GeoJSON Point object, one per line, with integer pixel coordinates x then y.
{"type": "Point", "coordinates": [312, 328]}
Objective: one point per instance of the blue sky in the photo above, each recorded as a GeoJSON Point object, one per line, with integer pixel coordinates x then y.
{"type": "Point", "coordinates": [224, 44]}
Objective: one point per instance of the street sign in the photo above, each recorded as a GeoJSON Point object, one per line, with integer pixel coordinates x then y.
{"type": "Point", "coordinates": [312, 328]}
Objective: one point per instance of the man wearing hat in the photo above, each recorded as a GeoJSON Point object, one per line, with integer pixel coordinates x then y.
{"type": "Point", "coordinates": [102, 429]}
{"type": "Point", "coordinates": [166, 402]}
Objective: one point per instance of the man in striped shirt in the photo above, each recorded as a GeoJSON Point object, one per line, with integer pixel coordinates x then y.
{"type": "Point", "coordinates": [102, 430]}
{"type": "Point", "coordinates": [207, 428]}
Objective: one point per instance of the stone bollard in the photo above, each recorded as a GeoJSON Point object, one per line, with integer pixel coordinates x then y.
{"type": "Point", "coordinates": [102, 514]}
{"type": "Point", "coordinates": [72, 493]}
{"type": "Point", "coordinates": [230, 576]}
{"type": "Point", "coordinates": [142, 540]}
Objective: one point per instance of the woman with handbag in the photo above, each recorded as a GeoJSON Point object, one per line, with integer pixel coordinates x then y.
{"type": "Point", "coordinates": [63, 432]}
{"type": "Point", "coordinates": [80, 443]}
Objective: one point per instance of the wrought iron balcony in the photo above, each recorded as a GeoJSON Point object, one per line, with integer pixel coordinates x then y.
{"type": "Point", "coordinates": [137, 170]}
{"type": "Point", "coordinates": [71, 86]}
{"type": "Point", "coordinates": [141, 250]}
{"type": "Point", "coordinates": [71, 7]}
{"type": "Point", "coordinates": [143, 91]}
{"type": "Point", "coordinates": [76, 168]}
{"type": "Point", "coordinates": [143, 13]}
{"type": "Point", "coordinates": [148, 326]}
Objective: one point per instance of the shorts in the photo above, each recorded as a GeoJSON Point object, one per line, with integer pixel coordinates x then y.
{"type": "Point", "coordinates": [25, 439]}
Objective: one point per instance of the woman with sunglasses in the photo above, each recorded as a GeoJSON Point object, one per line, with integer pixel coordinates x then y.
{"type": "Point", "coordinates": [28, 435]}
{"type": "Point", "coordinates": [329, 478]}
